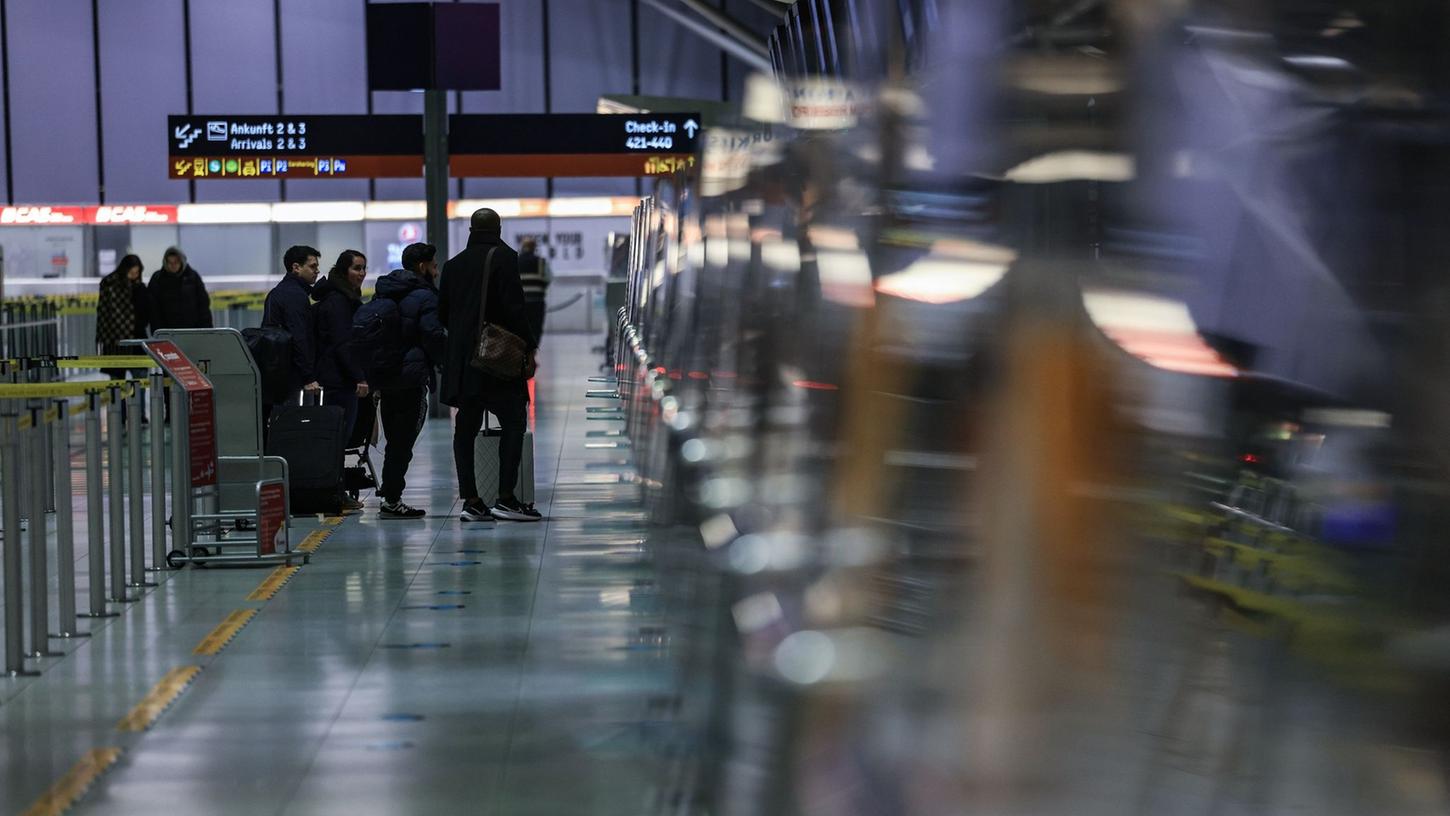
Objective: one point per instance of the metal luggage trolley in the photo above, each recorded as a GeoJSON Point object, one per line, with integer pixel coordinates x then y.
{"type": "Point", "coordinates": [217, 439]}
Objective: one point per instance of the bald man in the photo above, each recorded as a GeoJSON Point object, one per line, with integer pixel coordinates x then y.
{"type": "Point", "coordinates": [471, 391]}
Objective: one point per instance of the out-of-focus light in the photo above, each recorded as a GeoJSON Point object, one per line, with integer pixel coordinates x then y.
{"type": "Point", "coordinates": [750, 554]}
{"type": "Point", "coordinates": [300, 212]}
{"type": "Point", "coordinates": [805, 657]}
{"type": "Point", "coordinates": [505, 207]}
{"type": "Point", "coordinates": [781, 255]}
{"type": "Point", "coordinates": [396, 210]}
{"type": "Point", "coordinates": [1249, 459]}
{"type": "Point", "coordinates": [764, 99]}
{"type": "Point", "coordinates": [717, 531]}
{"type": "Point", "coordinates": [1074, 165]}
{"type": "Point", "coordinates": [694, 451]}
{"type": "Point", "coordinates": [812, 385]}
{"type": "Point", "coordinates": [844, 269]}
{"type": "Point", "coordinates": [1348, 418]}
{"type": "Point", "coordinates": [756, 612]}
{"type": "Point", "coordinates": [1318, 61]}
{"type": "Point", "coordinates": [223, 213]}
{"type": "Point", "coordinates": [1157, 330]}
{"type": "Point", "coordinates": [937, 280]}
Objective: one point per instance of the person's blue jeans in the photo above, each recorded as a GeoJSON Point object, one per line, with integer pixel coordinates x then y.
{"type": "Point", "coordinates": [346, 399]}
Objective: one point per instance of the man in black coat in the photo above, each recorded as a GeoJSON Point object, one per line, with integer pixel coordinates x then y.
{"type": "Point", "coordinates": [289, 306]}
{"type": "Point", "coordinates": [473, 392]}
{"type": "Point", "coordinates": [179, 298]}
{"type": "Point", "coordinates": [404, 392]}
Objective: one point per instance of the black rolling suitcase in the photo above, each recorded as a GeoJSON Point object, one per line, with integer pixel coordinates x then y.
{"type": "Point", "coordinates": [311, 438]}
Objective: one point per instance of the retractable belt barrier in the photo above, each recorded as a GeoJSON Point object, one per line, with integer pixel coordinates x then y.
{"type": "Point", "coordinates": [36, 465]}
{"type": "Point", "coordinates": [37, 409]}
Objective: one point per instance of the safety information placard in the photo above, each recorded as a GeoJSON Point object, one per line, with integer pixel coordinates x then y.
{"type": "Point", "coordinates": [272, 507]}
{"type": "Point", "coordinates": [201, 424]}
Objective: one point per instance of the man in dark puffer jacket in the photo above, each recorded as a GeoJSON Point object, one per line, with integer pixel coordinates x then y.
{"type": "Point", "coordinates": [403, 395]}
{"type": "Point", "coordinates": [178, 296]}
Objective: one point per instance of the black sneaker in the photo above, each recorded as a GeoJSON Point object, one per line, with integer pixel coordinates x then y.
{"type": "Point", "coordinates": [515, 510]}
{"type": "Point", "coordinates": [398, 510]}
{"type": "Point", "coordinates": [476, 510]}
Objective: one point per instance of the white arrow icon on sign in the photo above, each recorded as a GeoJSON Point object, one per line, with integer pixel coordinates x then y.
{"type": "Point", "coordinates": [692, 126]}
{"type": "Point", "coordinates": [181, 131]}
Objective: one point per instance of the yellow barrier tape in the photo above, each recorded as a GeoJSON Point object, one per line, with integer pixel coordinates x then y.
{"type": "Point", "coordinates": [117, 361]}
{"type": "Point", "coordinates": [313, 541]}
{"type": "Point", "coordinates": [62, 389]}
{"type": "Point", "coordinates": [161, 696]}
{"type": "Point", "coordinates": [273, 583]}
{"type": "Point", "coordinates": [225, 631]}
{"type": "Point", "coordinates": [71, 787]}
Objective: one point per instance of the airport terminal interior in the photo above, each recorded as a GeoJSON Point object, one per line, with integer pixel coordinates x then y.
{"type": "Point", "coordinates": [724, 407]}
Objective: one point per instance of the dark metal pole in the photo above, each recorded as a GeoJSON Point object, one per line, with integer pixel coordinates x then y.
{"type": "Point", "coordinates": [435, 167]}
{"type": "Point", "coordinates": [39, 540]}
{"type": "Point", "coordinates": [10, 479]}
{"type": "Point", "coordinates": [65, 536]}
{"type": "Point", "coordinates": [95, 514]}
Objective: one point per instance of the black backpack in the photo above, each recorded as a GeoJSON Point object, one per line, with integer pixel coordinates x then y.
{"type": "Point", "coordinates": [377, 339]}
{"type": "Point", "coordinates": [271, 348]}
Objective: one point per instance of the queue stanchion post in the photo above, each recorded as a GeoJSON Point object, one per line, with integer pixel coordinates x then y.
{"type": "Point", "coordinates": [49, 372]}
{"type": "Point", "coordinates": [180, 470]}
{"type": "Point", "coordinates": [65, 537]}
{"type": "Point", "coordinates": [39, 539]}
{"type": "Point", "coordinates": [117, 510]}
{"type": "Point", "coordinates": [10, 479]}
{"type": "Point", "coordinates": [136, 486]}
{"type": "Point", "coordinates": [95, 513]}
{"type": "Point", "coordinates": [158, 471]}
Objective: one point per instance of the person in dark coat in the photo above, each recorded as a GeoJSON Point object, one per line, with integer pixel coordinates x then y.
{"type": "Point", "coordinates": [289, 306]}
{"type": "Point", "coordinates": [123, 312]}
{"type": "Point", "coordinates": [336, 299]}
{"type": "Point", "coordinates": [179, 298]}
{"type": "Point", "coordinates": [404, 393]}
{"type": "Point", "coordinates": [473, 392]}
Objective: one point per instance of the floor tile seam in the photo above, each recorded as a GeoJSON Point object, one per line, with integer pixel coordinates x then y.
{"type": "Point", "coordinates": [306, 768]}
{"type": "Point", "coordinates": [574, 405]}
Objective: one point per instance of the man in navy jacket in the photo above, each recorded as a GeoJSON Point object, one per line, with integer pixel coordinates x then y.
{"type": "Point", "coordinates": [289, 306]}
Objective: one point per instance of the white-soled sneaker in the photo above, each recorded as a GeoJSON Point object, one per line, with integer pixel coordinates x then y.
{"type": "Point", "coordinates": [398, 510]}
{"type": "Point", "coordinates": [476, 511]}
{"type": "Point", "coordinates": [515, 510]}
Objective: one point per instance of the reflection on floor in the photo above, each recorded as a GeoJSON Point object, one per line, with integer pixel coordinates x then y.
{"type": "Point", "coordinates": [412, 668]}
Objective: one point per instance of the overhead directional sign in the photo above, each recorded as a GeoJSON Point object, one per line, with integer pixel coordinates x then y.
{"type": "Point", "coordinates": [586, 144]}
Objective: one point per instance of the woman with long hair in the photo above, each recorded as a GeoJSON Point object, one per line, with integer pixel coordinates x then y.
{"type": "Point", "coordinates": [336, 299]}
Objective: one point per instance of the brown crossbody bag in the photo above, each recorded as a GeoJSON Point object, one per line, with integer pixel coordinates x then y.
{"type": "Point", "coordinates": [498, 351]}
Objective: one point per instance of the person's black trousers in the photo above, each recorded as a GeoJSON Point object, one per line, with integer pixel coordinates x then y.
{"type": "Point", "coordinates": [535, 310]}
{"type": "Point", "coordinates": [403, 411]}
{"type": "Point", "coordinates": [513, 421]}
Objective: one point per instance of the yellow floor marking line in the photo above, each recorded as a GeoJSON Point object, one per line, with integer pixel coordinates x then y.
{"type": "Point", "coordinates": [333, 521]}
{"type": "Point", "coordinates": [161, 696]}
{"type": "Point", "coordinates": [225, 631]}
{"type": "Point", "coordinates": [71, 787]}
{"type": "Point", "coordinates": [269, 587]}
{"type": "Point", "coordinates": [313, 541]}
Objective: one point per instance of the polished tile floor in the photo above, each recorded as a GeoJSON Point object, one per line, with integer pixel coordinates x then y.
{"type": "Point", "coordinates": [419, 667]}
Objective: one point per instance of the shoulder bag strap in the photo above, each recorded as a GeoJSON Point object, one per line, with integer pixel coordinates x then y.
{"type": "Point", "coordinates": [483, 294]}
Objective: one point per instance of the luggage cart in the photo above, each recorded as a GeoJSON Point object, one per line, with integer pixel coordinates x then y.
{"type": "Point", "coordinates": [270, 543]}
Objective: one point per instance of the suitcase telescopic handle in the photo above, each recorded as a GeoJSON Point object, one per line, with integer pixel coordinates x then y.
{"type": "Point", "coordinates": [311, 398]}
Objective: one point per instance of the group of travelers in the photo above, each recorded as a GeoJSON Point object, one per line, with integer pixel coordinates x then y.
{"type": "Point", "coordinates": [390, 348]}
{"type": "Point", "coordinates": [130, 309]}
{"type": "Point", "coordinates": [382, 355]}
